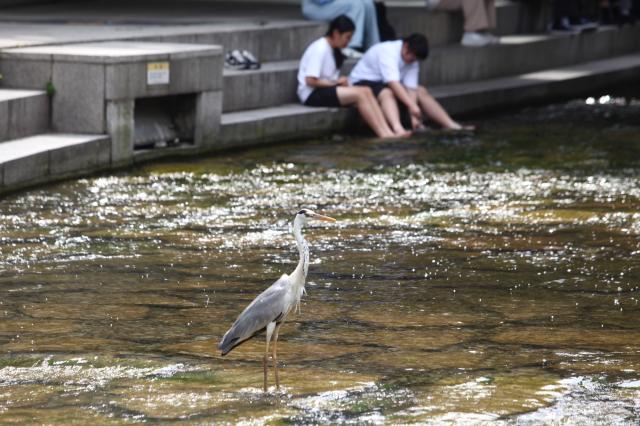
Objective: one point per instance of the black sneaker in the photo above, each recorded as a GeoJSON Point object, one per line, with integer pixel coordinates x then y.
{"type": "Point", "coordinates": [235, 60]}
{"type": "Point", "coordinates": [252, 62]}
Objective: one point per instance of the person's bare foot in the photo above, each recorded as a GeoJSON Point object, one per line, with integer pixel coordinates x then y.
{"type": "Point", "coordinates": [401, 132]}
{"type": "Point", "coordinates": [389, 136]}
{"type": "Point", "coordinates": [404, 134]}
{"type": "Point", "coordinates": [457, 127]}
{"type": "Point", "coordinates": [394, 136]}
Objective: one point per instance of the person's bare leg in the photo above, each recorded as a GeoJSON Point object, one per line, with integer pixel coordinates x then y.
{"type": "Point", "coordinates": [378, 112]}
{"type": "Point", "coordinates": [434, 110]}
{"type": "Point", "coordinates": [275, 354]}
{"type": "Point", "coordinates": [391, 112]}
{"type": "Point", "coordinates": [362, 97]}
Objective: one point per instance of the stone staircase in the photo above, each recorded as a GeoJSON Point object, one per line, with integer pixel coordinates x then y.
{"type": "Point", "coordinates": [30, 154]}
{"type": "Point", "coordinates": [523, 68]}
{"type": "Point", "coordinates": [23, 113]}
{"type": "Point", "coordinates": [260, 106]}
{"type": "Point", "coordinates": [99, 104]}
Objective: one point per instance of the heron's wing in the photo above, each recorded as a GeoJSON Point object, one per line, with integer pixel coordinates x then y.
{"type": "Point", "coordinates": [269, 306]}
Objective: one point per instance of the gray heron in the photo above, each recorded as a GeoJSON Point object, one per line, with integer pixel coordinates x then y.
{"type": "Point", "coordinates": [269, 310]}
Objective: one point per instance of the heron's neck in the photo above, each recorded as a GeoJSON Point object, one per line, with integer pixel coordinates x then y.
{"type": "Point", "coordinates": [303, 264]}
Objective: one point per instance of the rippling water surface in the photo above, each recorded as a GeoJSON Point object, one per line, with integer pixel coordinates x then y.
{"type": "Point", "coordinates": [489, 277]}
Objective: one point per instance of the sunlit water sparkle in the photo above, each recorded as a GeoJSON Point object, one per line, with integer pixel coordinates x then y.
{"type": "Point", "coordinates": [490, 278]}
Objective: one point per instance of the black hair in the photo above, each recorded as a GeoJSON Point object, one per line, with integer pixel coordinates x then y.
{"type": "Point", "coordinates": [418, 45]}
{"type": "Point", "coordinates": [342, 24]}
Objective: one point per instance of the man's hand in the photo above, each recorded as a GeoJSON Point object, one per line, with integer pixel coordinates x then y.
{"type": "Point", "coordinates": [416, 123]}
{"type": "Point", "coordinates": [414, 110]}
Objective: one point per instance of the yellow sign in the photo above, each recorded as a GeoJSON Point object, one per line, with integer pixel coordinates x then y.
{"type": "Point", "coordinates": [157, 73]}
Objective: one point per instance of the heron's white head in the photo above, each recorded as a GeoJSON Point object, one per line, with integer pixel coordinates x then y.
{"type": "Point", "coordinates": [305, 214]}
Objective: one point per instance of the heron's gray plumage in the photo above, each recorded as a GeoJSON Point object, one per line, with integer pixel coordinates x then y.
{"type": "Point", "coordinates": [269, 306]}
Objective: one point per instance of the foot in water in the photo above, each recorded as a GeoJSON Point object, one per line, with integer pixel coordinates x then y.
{"type": "Point", "coordinates": [401, 132]}
{"type": "Point", "coordinates": [461, 128]}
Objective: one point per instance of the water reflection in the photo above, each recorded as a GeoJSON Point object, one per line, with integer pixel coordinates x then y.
{"type": "Point", "coordinates": [469, 279]}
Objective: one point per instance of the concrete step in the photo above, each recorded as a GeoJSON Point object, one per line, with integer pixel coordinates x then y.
{"type": "Point", "coordinates": [48, 157]}
{"type": "Point", "coordinates": [443, 27]}
{"type": "Point", "coordinates": [23, 113]}
{"type": "Point", "coordinates": [281, 122]}
{"type": "Point", "coordinates": [520, 54]}
{"type": "Point", "coordinates": [293, 121]}
{"type": "Point", "coordinates": [275, 83]}
{"type": "Point", "coordinates": [272, 40]}
{"type": "Point", "coordinates": [269, 41]}
{"type": "Point", "coordinates": [541, 86]}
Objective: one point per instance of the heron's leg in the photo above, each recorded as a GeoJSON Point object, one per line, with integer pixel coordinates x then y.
{"type": "Point", "coordinates": [270, 328]}
{"type": "Point", "coordinates": [275, 354]}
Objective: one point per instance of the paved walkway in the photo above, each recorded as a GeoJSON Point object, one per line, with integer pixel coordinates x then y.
{"type": "Point", "coordinates": [95, 21]}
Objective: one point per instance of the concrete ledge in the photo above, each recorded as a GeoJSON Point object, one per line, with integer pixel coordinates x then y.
{"type": "Point", "coordinates": [23, 113]}
{"type": "Point", "coordinates": [284, 122]}
{"type": "Point", "coordinates": [23, 171]}
{"type": "Point", "coordinates": [541, 86]}
{"type": "Point", "coordinates": [50, 157]}
{"type": "Point", "coordinates": [262, 126]}
{"type": "Point", "coordinates": [193, 67]}
{"type": "Point", "coordinates": [292, 121]}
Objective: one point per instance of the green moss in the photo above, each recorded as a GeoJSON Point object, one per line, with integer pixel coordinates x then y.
{"type": "Point", "coordinates": [360, 407]}
{"type": "Point", "coordinates": [50, 88]}
{"type": "Point", "coordinates": [20, 361]}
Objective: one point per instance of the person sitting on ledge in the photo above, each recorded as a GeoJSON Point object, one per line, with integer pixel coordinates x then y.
{"type": "Point", "coordinates": [319, 83]}
{"type": "Point", "coordinates": [394, 64]}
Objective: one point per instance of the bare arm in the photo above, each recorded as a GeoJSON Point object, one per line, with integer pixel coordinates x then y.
{"type": "Point", "coordinates": [318, 83]}
{"type": "Point", "coordinates": [409, 98]}
{"type": "Point", "coordinates": [416, 122]}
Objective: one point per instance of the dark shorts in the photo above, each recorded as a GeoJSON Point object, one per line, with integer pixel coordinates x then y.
{"type": "Point", "coordinates": [376, 86]}
{"type": "Point", "coordinates": [323, 97]}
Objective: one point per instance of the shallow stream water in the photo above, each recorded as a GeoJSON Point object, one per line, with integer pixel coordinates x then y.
{"type": "Point", "coordinates": [469, 279]}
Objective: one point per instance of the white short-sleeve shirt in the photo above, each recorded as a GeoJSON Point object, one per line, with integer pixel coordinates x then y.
{"type": "Point", "coordinates": [317, 61]}
{"type": "Point", "coordinates": [383, 62]}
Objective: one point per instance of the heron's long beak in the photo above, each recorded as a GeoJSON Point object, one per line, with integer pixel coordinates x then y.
{"type": "Point", "coordinates": [321, 217]}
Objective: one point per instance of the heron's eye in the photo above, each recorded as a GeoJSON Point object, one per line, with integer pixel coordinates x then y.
{"type": "Point", "coordinates": [302, 212]}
